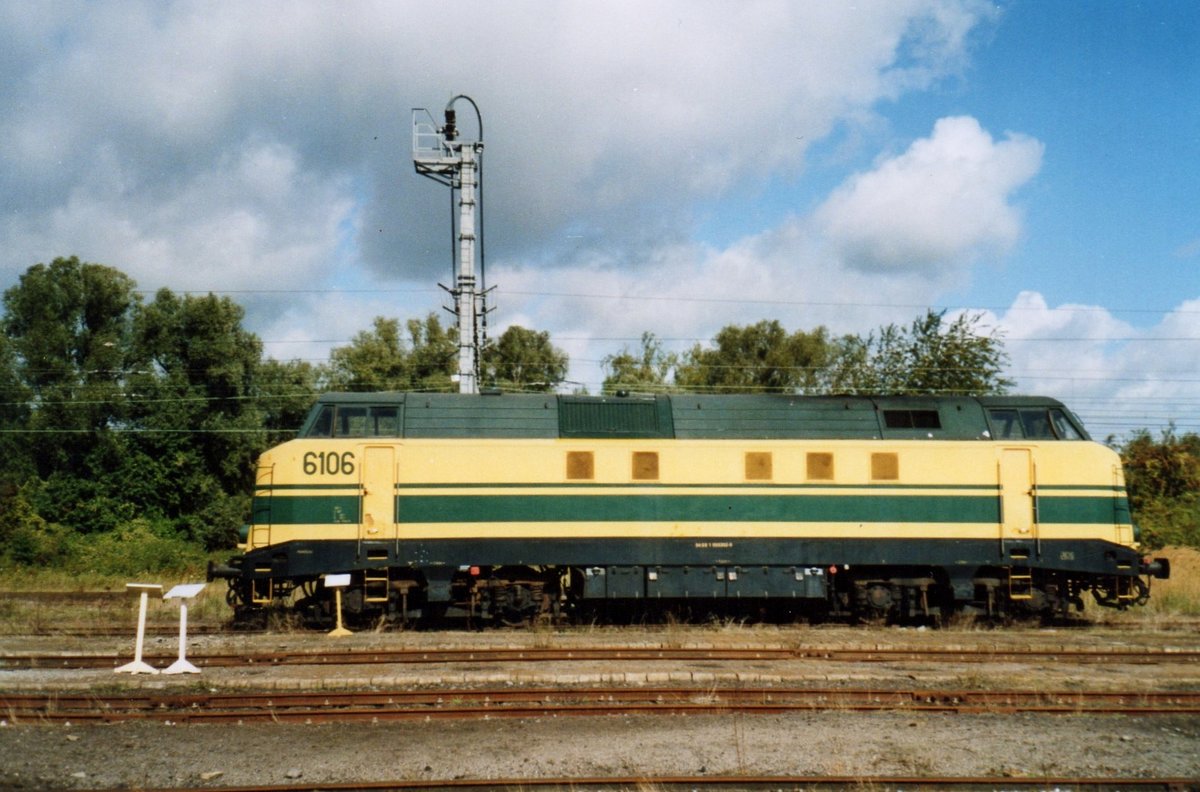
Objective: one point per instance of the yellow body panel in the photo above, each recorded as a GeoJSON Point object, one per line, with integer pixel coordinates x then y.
{"type": "Point", "coordinates": [536, 467]}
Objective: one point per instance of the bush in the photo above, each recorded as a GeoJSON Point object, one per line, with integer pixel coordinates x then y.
{"type": "Point", "coordinates": [1163, 479]}
{"type": "Point", "coordinates": [216, 526]}
{"type": "Point", "coordinates": [27, 539]}
{"type": "Point", "coordinates": [1170, 522]}
{"type": "Point", "coordinates": [137, 547]}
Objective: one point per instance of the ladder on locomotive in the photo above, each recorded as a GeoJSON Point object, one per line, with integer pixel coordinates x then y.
{"type": "Point", "coordinates": [1020, 583]}
{"type": "Point", "coordinates": [376, 585]}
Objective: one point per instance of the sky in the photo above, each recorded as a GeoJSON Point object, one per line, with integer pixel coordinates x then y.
{"type": "Point", "coordinates": [668, 166]}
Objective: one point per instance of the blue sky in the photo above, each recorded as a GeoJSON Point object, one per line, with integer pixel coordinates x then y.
{"type": "Point", "coordinates": [1108, 87]}
{"type": "Point", "coordinates": [664, 166]}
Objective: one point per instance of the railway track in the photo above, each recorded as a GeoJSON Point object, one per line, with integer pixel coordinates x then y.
{"type": "Point", "coordinates": [373, 706]}
{"type": "Point", "coordinates": [615, 654]}
{"type": "Point", "coordinates": [742, 783]}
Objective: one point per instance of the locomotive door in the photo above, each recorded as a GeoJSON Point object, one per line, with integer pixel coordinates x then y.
{"type": "Point", "coordinates": [378, 479]}
{"type": "Point", "coordinates": [1018, 496]}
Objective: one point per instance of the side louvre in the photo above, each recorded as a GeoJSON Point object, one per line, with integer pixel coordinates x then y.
{"type": "Point", "coordinates": [620, 417]}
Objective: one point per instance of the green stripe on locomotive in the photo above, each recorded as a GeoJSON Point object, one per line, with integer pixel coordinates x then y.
{"type": "Point", "coordinates": [466, 507]}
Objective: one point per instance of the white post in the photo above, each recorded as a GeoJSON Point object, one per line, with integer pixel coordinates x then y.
{"type": "Point", "coordinates": [138, 666]}
{"type": "Point", "coordinates": [183, 593]}
{"type": "Point", "coordinates": [337, 583]}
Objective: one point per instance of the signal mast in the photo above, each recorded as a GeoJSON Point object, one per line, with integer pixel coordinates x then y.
{"type": "Point", "coordinates": [440, 154]}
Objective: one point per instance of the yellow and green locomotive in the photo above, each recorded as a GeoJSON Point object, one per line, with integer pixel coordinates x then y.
{"type": "Point", "coordinates": [507, 506]}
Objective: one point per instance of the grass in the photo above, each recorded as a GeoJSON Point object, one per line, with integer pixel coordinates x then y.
{"type": "Point", "coordinates": [92, 609]}
{"type": "Point", "coordinates": [1180, 595]}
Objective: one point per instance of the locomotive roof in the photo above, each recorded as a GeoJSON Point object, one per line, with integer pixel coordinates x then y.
{"type": "Point", "coordinates": [749, 416]}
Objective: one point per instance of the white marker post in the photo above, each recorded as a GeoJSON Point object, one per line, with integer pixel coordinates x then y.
{"type": "Point", "coordinates": [138, 666]}
{"type": "Point", "coordinates": [183, 593]}
{"type": "Point", "coordinates": [337, 583]}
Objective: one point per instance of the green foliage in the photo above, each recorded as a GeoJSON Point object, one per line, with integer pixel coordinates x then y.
{"type": "Point", "coordinates": [194, 386]}
{"type": "Point", "coordinates": [25, 537]}
{"type": "Point", "coordinates": [284, 392]}
{"type": "Point", "coordinates": [928, 357]}
{"type": "Point", "coordinates": [759, 358]}
{"type": "Point", "coordinates": [123, 415]}
{"type": "Point", "coordinates": [648, 369]}
{"type": "Point", "coordinates": [69, 325]}
{"type": "Point", "coordinates": [135, 548]}
{"type": "Point", "coordinates": [433, 356]}
{"type": "Point", "coordinates": [524, 360]}
{"type": "Point", "coordinates": [1162, 478]}
{"type": "Point", "coordinates": [380, 360]}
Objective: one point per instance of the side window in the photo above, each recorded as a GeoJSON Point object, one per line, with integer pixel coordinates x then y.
{"type": "Point", "coordinates": [758, 466]}
{"type": "Point", "coordinates": [885, 467]}
{"type": "Point", "coordinates": [581, 465]}
{"type": "Point", "coordinates": [645, 466]}
{"type": "Point", "coordinates": [385, 422]}
{"type": "Point", "coordinates": [1006, 424]}
{"type": "Point", "coordinates": [1063, 426]}
{"type": "Point", "coordinates": [323, 426]}
{"type": "Point", "coordinates": [352, 422]}
{"type": "Point", "coordinates": [819, 467]}
{"type": "Point", "coordinates": [1036, 424]}
{"type": "Point", "coordinates": [912, 419]}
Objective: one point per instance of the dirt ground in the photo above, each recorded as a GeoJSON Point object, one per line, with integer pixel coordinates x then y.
{"type": "Point", "coordinates": [145, 754]}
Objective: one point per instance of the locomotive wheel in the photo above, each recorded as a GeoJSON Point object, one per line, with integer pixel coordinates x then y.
{"type": "Point", "coordinates": [874, 602]}
{"type": "Point", "coordinates": [515, 605]}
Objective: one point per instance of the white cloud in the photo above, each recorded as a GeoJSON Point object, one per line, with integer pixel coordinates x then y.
{"type": "Point", "coordinates": [792, 272]}
{"type": "Point", "coordinates": [937, 205]}
{"type": "Point", "coordinates": [609, 118]}
{"type": "Point", "coordinates": [1117, 376]}
{"type": "Point", "coordinates": [254, 221]}
{"type": "Point", "coordinates": [688, 292]}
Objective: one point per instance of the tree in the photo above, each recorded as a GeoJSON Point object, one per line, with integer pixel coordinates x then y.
{"type": "Point", "coordinates": [524, 360]}
{"type": "Point", "coordinates": [196, 373]}
{"type": "Point", "coordinates": [649, 369]}
{"type": "Point", "coordinates": [433, 356]}
{"type": "Point", "coordinates": [18, 463]}
{"type": "Point", "coordinates": [1162, 478]}
{"type": "Point", "coordinates": [375, 360]}
{"type": "Point", "coordinates": [379, 360]}
{"type": "Point", "coordinates": [69, 324]}
{"type": "Point", "coordinates": [194, 421]}
{"type": "Point", "coordinates": [285, 393]}
{"type": "Point", "coordinates": [758, 358]}
{"type": "Point", "coordinates": [928, 357]}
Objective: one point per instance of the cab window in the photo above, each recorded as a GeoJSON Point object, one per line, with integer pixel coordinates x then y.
{"type": "Point", "coordinates": [1033, 424]}
{"type": "Point", "coordinates": [351, 422]}
{"type": "Point", "coordinates": [1006, 424]}
{"type": "Point", "coordinates": [323, 426]}
{"type": "Point", "coordinates": [1063, 426]}
{"type": "Point", "coordinates": [385, 421]}
{"type": "Point", "coordinates": [1036, 424]}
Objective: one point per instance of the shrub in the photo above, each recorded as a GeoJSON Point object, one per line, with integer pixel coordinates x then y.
{"type": "Point", "coordinates": [137, 547]}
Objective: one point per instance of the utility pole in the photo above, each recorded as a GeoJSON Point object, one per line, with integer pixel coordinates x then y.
{"type": "Point", "coordinates": [439, 153]}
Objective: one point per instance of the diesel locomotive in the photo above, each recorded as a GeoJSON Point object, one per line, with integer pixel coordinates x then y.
{"type": "Point", "coordinates": [509, 507]}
